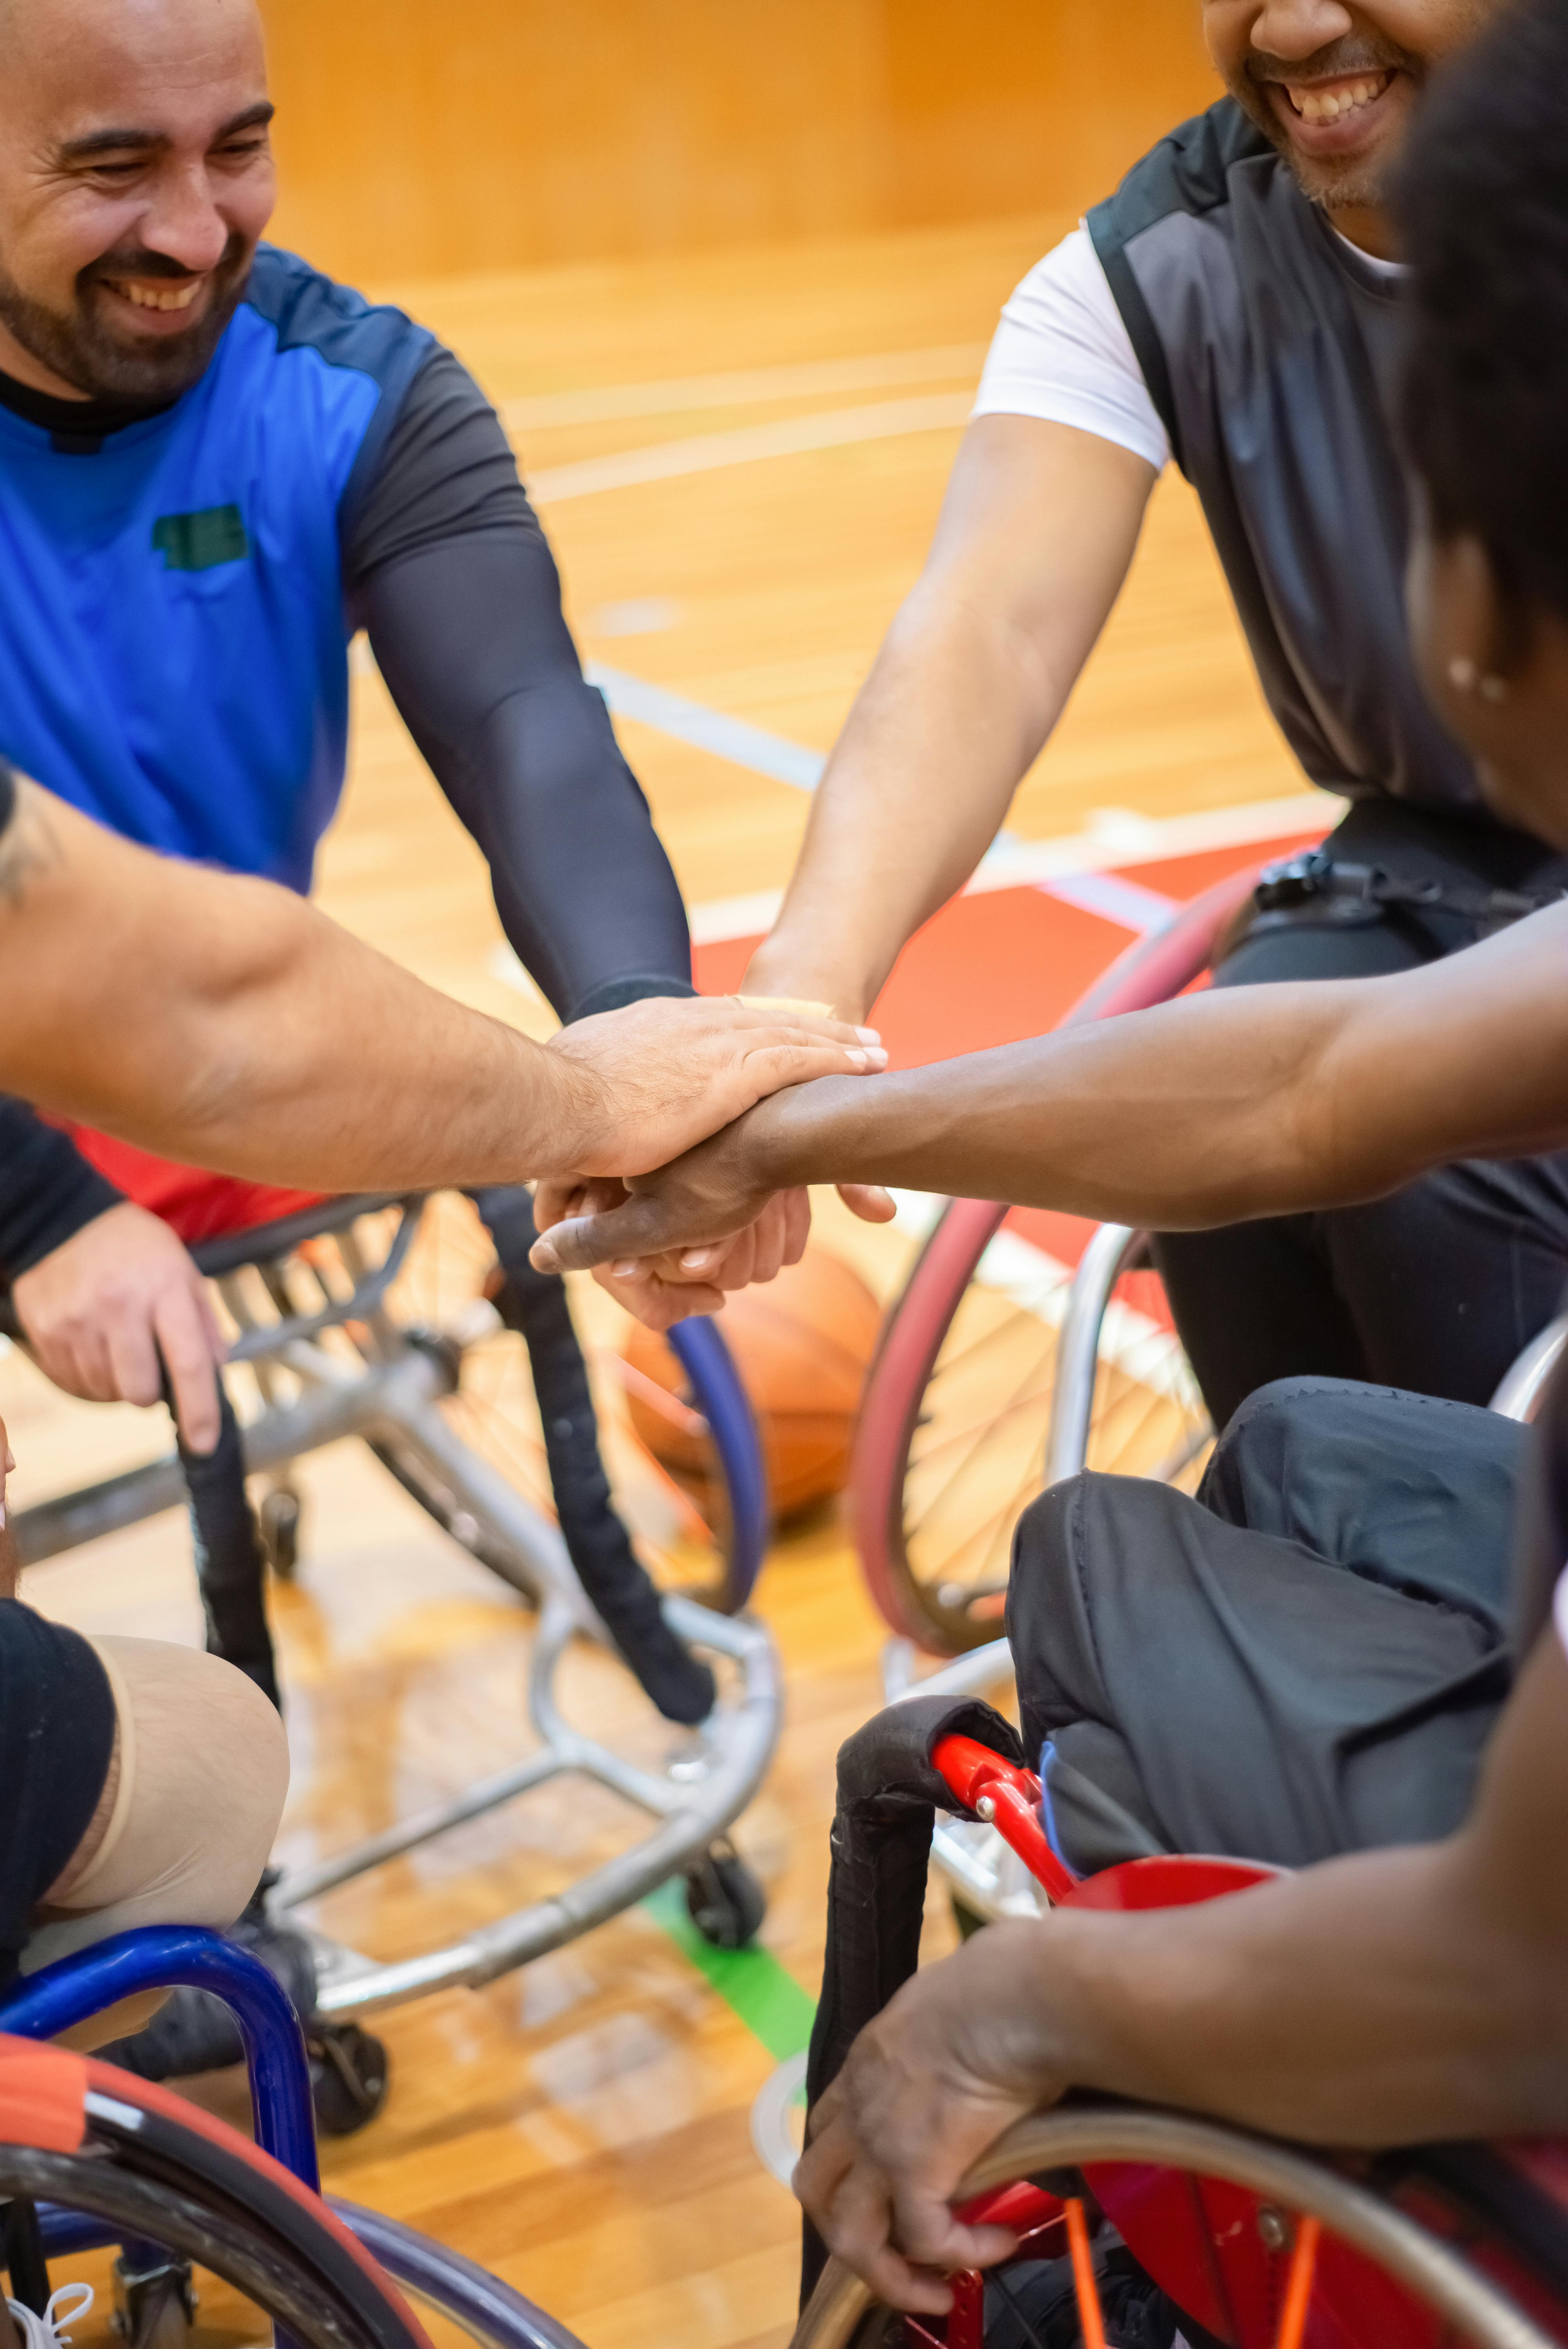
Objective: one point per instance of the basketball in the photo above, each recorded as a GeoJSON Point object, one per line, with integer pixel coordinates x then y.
{"type": "Point", "coordinates": [802, 1344]}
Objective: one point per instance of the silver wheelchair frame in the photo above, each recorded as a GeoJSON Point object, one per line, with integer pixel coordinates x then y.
{"type": "Point", "coordinates": [980, 1870]}
{"type": "Point", "coordinates": [386, 1385]}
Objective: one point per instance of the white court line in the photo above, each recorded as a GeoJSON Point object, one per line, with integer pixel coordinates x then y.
{"type": "Point", "coordinates": [1041, 863]}
{"type": "Point", "coordinates": [1127, 903]}
{"type": "Point", "coordinates": [612, 403]}
{"type": "Point", "coordinates": [743, 744]}
{"type": "Point", "coordinates": [667, 460]}
{"type": "Point", "coordinates": [1076, 861]}
{"type": "Point", "coordinates": [1037, 863]}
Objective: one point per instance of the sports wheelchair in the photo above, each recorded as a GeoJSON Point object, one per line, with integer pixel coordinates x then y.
{"type": "Point", "coordinates": [1259, 2244]}
{"type": "Point", "coordinates": [959, 1429]}
{"type": "Point", "coordinates": [418, 1324]}
{"type": "Point", "coordinates": [1023, 1348]}
{"type": "Point", "coordinates": [90, 2155]}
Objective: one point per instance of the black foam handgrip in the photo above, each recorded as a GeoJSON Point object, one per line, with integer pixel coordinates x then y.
{"type": "Point", "coordinates": [231, 1564]}
{"type": "Point", "coordinates": [535, 1305]}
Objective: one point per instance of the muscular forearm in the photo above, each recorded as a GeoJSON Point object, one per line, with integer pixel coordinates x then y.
{"type": "Point", "coordinates": [1035, 535]}
{"type": "Point", "coordinates": [1241, 1102]}
{"type": "Point", "coordinates": [224, 1023]}
{"type": "Point", "coordinates": [915, 791]}
{"type": "Point", "coordinates": [1442, 2020]}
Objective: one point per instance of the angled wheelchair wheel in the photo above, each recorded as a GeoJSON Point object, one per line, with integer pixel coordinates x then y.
{"type": "Point", "coordinates": [102, 2156]}
{"type": "Point", "coordinates": [1188, 2225]}
{"type": "Point", "coordinates": [94, 2158]}
{"type": "Point", "coordinates": [957, 1420]}
{"type": "Point", "coordinates": [454, 1289]}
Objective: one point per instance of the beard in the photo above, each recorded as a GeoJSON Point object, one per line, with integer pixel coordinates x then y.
{"type": "Point", "coordinates": [84, 350]}
{"type": "Point", "coordinates": [1337, 185]}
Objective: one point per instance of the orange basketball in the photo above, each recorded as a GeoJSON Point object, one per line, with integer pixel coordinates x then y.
{"type": "Point", "coordinates": [802, 1344]}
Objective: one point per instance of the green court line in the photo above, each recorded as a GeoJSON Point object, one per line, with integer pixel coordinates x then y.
{"type": "Point", "coordinates": [752, 1983]}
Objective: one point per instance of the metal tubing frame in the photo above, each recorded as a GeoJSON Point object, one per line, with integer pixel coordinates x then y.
{"type": "Point", "coordinates": [394, 1397]}
{"type": "Point", "coordinates": [1521, 1391]}
{"type": "Point", "coordinates": [71, 1991]}
{"type": "Point", "coordinates": [1110, 1251]}
{"type": "Point", "coordinates": [737, 1745]}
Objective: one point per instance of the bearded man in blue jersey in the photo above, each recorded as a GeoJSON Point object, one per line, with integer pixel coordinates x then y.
{"type": "Point", "coordinates": [215, 466]}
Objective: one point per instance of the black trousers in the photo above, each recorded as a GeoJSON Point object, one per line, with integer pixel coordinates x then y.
{"type": "Point", "coordinates": [1306, 1659]}
{"type": "Point", "coordinates": [1435, 1289]}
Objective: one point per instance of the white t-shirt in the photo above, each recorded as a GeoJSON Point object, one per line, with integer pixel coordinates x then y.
{"type": "Point", "coordinates": [1062, 353]}
{"type": "Point", "coordinates": [1560, 1610]}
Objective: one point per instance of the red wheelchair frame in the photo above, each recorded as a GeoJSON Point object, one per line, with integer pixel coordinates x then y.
{"type": "Point", "coordinates": [1228, 2259]}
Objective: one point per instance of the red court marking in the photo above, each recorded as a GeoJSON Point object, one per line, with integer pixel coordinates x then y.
{"type": "Point", "coordinates": [1063, 1237]}
{"type": "Point", "coordinates": [985, 970]}
{"type": "Point", "coordinates": [1001, 965]}
{"type": "Point", "coordinates": [1184, 876]}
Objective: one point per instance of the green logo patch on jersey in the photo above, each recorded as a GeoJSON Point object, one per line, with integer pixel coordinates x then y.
{"type": "Point", "coordinates": [197, 541]}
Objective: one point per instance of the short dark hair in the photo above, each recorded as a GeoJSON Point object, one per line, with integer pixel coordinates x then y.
{"type": "Point", "coordinates": [1481, 203]}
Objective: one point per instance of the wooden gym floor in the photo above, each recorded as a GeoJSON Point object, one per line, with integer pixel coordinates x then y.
{"type": "Point", "coordinates": [740, 459]}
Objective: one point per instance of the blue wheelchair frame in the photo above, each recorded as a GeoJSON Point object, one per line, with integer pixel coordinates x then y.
{"type": "Point", "coordinates": [69, 1992]}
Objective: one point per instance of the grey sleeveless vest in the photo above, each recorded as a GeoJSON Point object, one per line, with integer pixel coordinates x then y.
{"type": "Point", "coordinates": [1271, 355]}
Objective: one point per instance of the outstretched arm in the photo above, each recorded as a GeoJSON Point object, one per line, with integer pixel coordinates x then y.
{"type": "Point", "coordinates": [1243, 1102]}
{"type": "Point", "coordinates": [224, 1022]}
{"type": "Point", "coordinates": [1385, 1999]}
{"type": "Point", "coordinates": [1037, 531]}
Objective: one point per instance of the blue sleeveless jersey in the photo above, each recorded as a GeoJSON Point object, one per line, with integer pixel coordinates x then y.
{"type": "Point", "coordinates": [173, 637]}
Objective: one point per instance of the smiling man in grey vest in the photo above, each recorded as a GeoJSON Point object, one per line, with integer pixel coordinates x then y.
{"type": "Point", "coordinates": [1234, 308]}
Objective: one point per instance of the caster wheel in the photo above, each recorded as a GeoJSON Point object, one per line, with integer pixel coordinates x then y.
{"type": "Point", "coordinates": [154, 2308]}
{"type": "Point", "coordinates": [278, 1519]}
{"type": "Point", "coordinates": [349, 2076]}
{"type": "Point", "coordinates": [968, 1920]}
{"type": "Point", "coordinates": [724, 1900]}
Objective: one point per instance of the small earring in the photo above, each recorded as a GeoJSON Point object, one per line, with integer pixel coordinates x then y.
{"type": "Point", "coordinates": [1494, 688]}
{"type": "Point", "coordinates": [1462, 674]}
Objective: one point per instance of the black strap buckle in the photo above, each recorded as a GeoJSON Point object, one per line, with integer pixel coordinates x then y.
{"type": "Point", "coordinates": [1296, 881]}
{"type": "Point", "coordinates": [1355, 893]}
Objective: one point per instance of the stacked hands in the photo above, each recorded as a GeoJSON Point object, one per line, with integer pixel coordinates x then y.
{"type": "Point", "coordinates": [635, 1090]}
{"type": "Point", "coordinates": [667, 1241]}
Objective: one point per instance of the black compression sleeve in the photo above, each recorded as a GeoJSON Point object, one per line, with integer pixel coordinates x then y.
{"type": "Point", "coordinates": [7, 795]}
{"type": "Point", "coordinates": [456, 583]}
{"type": "Point", "coordinates": [47, 1189]}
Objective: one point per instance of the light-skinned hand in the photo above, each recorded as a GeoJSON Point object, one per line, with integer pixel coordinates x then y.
{"type": "Point", "coordinates": [660, 1075]}
{"type": "Point", "coordinates": [97, 1312]}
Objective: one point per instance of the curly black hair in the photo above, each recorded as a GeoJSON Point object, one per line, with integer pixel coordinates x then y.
{"type": "Point", "coordinates": [1481, 203]}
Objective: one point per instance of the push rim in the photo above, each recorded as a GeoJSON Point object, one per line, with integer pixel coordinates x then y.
{"type": "Point", "coordinates": [937, 1573]}
{"type": "Point", "coordinates": [1355, 2213]}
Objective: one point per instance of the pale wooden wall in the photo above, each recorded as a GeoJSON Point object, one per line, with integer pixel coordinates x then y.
{"type": "Point", "coordinates": [424, 137]}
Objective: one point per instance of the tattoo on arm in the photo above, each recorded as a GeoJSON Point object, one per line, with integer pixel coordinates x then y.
{"type": "Point", "coordinates": [29, 845]}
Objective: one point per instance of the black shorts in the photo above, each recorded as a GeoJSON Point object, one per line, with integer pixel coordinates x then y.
{"type": "Point", "coordinates": [56, 1740]}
